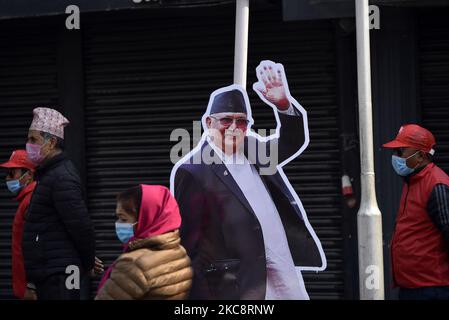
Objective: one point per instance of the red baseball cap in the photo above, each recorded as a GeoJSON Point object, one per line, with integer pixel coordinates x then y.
{"type": "Point", "coordinates": [19, 159]}
{"type": "Point", "coordinates": [413, 136]}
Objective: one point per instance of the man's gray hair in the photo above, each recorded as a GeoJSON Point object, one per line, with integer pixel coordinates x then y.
{"type": "Point", "coordinates": [59, 142]}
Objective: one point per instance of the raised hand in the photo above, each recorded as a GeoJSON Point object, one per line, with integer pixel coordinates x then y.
{"type": "Point", "coordinates": [271, 84]}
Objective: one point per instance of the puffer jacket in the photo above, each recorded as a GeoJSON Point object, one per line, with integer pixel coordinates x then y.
{"type": "Point", "coordinates": [153, 268]}
{"type": "Point", "coordinates": [58, 231]}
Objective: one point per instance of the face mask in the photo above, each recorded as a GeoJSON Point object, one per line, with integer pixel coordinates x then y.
{"type": "Point", "coordinates": [124, 231]}
{"type": "Point", "coordinates": [400, 165]}
{"type": "Point", "coordinates": [34, 152]}
{"type": "Point", "coordinates": [14, 185]}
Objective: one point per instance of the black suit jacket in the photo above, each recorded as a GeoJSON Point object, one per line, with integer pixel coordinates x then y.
{"type": "Point", "coordinates": [220, 231]}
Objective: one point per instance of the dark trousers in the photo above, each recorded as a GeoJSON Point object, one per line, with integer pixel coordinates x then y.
{"type": "Point", "coordinates": [54, 288]}
{"type": "Point", "coordinates": [424, 293]}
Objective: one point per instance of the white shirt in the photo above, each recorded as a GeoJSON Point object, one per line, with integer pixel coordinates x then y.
{"type": "Point", "coordinates": [283, 280]}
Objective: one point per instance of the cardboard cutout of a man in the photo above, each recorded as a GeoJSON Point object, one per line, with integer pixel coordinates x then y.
{"type": "Point", "coordinates": [244, 229]}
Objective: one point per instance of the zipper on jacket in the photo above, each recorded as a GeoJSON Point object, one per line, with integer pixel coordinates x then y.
{"type": "Point", "coordinates": [27, 214]}
{"type": "Point", "coordinates": [406, 197]}
{"type": "Point", "coordinates": [402, 213]}
{"type": "Point", "coordinates": [394, 234]}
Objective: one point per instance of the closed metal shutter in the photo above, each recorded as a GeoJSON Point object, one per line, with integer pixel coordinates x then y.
{"type": "Point", "coordinates": [433, 44]}
{"type": "Point", "coordinates": [27, 79]}
{"type": "Point", "coordinates": [149, 73]}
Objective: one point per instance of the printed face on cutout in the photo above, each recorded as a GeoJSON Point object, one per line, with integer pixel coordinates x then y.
{"type": "Point", "coordinates": [227, 130]}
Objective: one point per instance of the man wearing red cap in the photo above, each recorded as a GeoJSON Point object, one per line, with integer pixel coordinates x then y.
{"type": "Point", "coordinates": [19, 180]}
{"type": "Point", "coordinates": [420, 244]}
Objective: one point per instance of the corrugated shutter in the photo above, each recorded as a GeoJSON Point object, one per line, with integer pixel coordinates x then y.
{"type": "Point", "coordinates": [434, 77]}
{"type": "Point", "coordinates": [27, 79]}
{"type": "Point", "coordinates": [307, 50]}
{"type": "Point", "coordinates": [147, 74]}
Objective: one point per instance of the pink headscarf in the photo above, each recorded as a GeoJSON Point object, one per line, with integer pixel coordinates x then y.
{"type": "Point", "coordinates": [159, 214]}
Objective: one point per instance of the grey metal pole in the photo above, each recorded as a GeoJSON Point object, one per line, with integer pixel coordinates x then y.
{"type": "Point", "coordinates": [369, 218]}
{"type": "Point", "coordinates": [241, 41]}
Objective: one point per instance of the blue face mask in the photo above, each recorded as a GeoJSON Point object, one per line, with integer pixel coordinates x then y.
{"type": "Point", "coordinates": [400, 165]}
{"type": "Point", "coordinates": [14, 185]}
{"type": "Point", "coordinates": [124, 231]}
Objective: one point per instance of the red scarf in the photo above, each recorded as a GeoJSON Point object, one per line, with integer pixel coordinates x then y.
{"type": "Point", "coordinates": [159, 214]}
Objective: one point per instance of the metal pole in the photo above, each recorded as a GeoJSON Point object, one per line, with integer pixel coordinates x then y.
{"type": "Point", "coordinates": [241, 41]}
{"type": "Point", "coordinates": [369, 218]}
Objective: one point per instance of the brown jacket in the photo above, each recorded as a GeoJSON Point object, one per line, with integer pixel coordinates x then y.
{"type": "Point", "coordinates": [155, 268]}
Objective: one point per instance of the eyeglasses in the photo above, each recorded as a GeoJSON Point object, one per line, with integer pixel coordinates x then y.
{"type": "Point", "coordinates": [227, 122]}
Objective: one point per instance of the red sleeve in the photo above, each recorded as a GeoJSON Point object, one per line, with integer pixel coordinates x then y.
{"type": "Point", "coordinates": [18, 267]}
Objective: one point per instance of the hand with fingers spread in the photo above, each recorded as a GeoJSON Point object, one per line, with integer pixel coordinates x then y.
{"type": "Point", "coordinates": [271, 84]}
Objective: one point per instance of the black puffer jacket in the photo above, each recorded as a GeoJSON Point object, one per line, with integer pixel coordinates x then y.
{"type": "Point", "coordinates": [58, 231]}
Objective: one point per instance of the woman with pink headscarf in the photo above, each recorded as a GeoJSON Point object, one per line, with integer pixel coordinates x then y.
{"type": "Point", "coordinates": [154, 265]}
